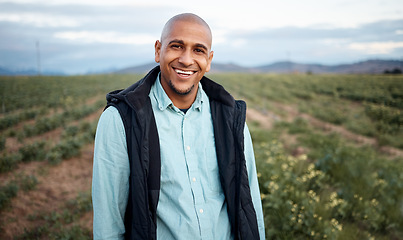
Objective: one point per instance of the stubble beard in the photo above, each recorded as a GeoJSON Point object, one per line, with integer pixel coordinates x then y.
{"type": "Point", "coordinates": [180, 92]}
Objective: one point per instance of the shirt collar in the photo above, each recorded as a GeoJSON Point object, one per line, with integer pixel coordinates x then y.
{"type": "Point", "coordinates": [165, 102]}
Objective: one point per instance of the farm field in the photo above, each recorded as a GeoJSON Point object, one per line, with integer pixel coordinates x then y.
{"type": "Point", "coordinates": [329, 153]}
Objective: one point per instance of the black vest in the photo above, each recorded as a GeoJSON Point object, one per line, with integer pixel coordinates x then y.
{"type": "Point", "coordinates": [143, 149]}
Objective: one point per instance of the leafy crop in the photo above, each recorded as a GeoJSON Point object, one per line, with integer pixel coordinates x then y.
{"type": "Point", "coordinates": [54, 223]}
{"type": "Point", "coordinates": [10, 189]}
{"type": "Point", "coordinates": [334, 191]}
{"type": "Point", "coordinates": [370, 105]}
{"type": "Point", "coordinates": [331, 189]}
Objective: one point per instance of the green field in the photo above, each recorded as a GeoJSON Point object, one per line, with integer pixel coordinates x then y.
{"type": "Point", "coordinates": [329, 153]}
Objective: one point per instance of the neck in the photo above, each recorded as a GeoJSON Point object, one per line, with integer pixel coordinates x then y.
{"type": "Point", "coordinates": [183, 101]}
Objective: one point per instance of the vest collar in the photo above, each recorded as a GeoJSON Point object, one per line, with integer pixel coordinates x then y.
{"type": "Point", "coordinates": [137, 94]}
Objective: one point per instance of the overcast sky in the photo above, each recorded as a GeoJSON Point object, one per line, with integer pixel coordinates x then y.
{"type": "Point", "coordinates": [76, 36]}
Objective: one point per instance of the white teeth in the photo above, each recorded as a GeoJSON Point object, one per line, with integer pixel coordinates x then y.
{"type": "Point", "coordinates": [183, 72]}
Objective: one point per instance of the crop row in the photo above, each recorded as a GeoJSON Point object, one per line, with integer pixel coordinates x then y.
{"type": "Point", "coordinates": [334, 190]}
{"type": "Point", "coordinates": [13, 119]}
{"type": "Point", "coordinates": [73, 138]}
{"type": "Point", "coordinates": [45, 124]}
{"type": "Point", "coordinates": [26, 92]}
{"type": "Point", "coordinates": [377, 112]}
{"type": "Point", "coordinates": [10, 190]}
{"type": "Point", "coordinates": [54, 223]}
{"type": "Point", "coordinates": [378, 89]}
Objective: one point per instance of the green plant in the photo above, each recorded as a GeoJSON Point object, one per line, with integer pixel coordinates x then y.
{"type": "Point", "coordinates": [2, 143]}
{"type": "Point", "coordinates": [293, 202]}
{"type": "Point", "coordinates": [36, 233]}
{"type": "Point", "coordinates": [13, 119]}
{"type": "Point", "coordinates": [334, 191]}
{"type": "Point", "coordinates": [32, 152]}
{"type": "Point", "coordinates": [387, 120]}
{"type": "Point", "coordinates": [56, 225]}
{"type": "Point", "coordinates": [27, 182]}
{"type": "Point", "coordinates": [70, 131]}
{"type": "Point", "coordinates": [65, 149]}
{"type": "Point", "coordinates": [6, 193]}
{"type": "Point", "coordinates": [9, 162]}
{"type": "Point", "coordinates": [10, 190]}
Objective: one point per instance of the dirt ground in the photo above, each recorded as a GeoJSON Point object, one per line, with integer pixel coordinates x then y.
{"type": "Point", "coordinates": [57, 184]}
{"type": "Point", "coordinates": [63, 182]}
{"type": "Point", "coordinates": [267, 119]}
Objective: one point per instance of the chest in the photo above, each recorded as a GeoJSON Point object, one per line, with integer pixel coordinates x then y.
{"type": "Point", "coordinates": [188, 153]}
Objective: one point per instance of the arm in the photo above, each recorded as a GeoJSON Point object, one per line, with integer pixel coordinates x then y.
{"type": "Point", "coordinates": [110, 182]}
{"type": "Point", "coordinates": [253, 183]}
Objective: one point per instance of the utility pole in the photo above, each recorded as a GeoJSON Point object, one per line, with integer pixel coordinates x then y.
{"type": "Point", "coordinates": [289, 62]}
{"type": "Point", "coordinates": [38, 57]}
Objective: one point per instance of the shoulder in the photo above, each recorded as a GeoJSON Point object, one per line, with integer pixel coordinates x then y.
{"type": "Point", "coordinates": [110, 113]}
{"type": "Point", "coordinates": [110, 120]}
{"type": "Point", "coordinates": [216, 92]}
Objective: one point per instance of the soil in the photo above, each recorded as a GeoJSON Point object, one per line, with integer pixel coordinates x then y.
{"type": "Point", "coordinates": [267, 119]}
{"type": "Point", "coordinates": [57, 184]}
{"type": "Point", "coordinates": [63, 182]}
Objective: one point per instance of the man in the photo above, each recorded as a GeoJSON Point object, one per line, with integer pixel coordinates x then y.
{"type": "Point", "coordinates": [173, 157]}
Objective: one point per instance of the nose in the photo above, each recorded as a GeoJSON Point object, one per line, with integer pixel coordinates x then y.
{"type": "Point", "coordinates": [186, 58]}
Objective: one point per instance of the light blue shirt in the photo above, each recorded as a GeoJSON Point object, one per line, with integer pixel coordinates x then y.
{"type": "Point", "coordinates": [191, 203]}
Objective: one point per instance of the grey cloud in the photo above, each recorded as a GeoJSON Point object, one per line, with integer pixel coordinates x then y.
{"type": "Point", "coordinates": [18, 39]}
{"type": "Point", "coordinates": [382, 30]}
{"type": "Point", "coordinates": [108, 18]}
{"type": "Point", "coordinates": [310, 44]}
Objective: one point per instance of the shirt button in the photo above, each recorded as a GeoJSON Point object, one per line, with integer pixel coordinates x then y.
{"type": "Point", "coordinates": [201, 210]}
{"type": "Point", "coordinates": [188, 147]}
{"type": "Point", "coordinates": [194, 179]}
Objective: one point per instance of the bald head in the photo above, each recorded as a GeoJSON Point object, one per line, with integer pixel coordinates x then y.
{"type": "Point", "coordinates": [185, 17]}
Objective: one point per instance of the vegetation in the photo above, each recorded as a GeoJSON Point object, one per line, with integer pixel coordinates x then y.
{"type": "Point", "coordinates": [335, 190]}
{"type": "Point", "coordinates": [315, 183]}
{"type": "Point", "coordinates": [54, 224]}
{"type": "Point", "coordinates": [10, 189]}
{"type": "Point", "coordinates": [370, 105]}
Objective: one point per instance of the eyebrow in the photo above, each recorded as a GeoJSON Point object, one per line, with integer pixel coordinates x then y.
{"type": "Point", "coordinates": [199, 45]}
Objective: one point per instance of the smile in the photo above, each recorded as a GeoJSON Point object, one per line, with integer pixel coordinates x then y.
{"type": "Point", "coordinates": [184, 73]}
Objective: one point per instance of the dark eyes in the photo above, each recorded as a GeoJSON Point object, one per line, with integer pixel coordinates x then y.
{"type": "Point", "coordinates": [197, 50]}
{"type": "Point", "coordinates": [176, 46]}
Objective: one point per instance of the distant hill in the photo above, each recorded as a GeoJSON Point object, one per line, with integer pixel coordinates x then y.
{"type": "Point", "coordinates": [137, 69]}
{"type": "Point", "coordinates": [230, 67]}
{"type": "Point", "coordinates": [215, 67]}
{"type": "Point", "coordinates": [9, 72]}
{"type": "Point", "coordinates": [27, 72]}
{"type": "Point", "coordinates": [365, 67]}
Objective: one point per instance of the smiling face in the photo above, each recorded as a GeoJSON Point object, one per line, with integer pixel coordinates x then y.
{"type": "Point", "coordinates": [184, 54]}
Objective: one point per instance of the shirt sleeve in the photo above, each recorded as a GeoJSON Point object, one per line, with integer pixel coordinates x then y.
{"type": "Point", "coordinates": [110, 181]}
{"type": "Point", "coordinates": [253, 182]}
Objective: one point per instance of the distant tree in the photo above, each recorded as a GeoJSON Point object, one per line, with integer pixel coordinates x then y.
{"type": "Point", "coordinates": [394, 71]}
{"type": "Point", "coordinates": [397, 71]}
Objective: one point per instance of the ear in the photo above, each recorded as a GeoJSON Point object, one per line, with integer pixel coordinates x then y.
{"type": "Point", "coordinates": [210, 58]}
{"type": "Point", "coordinates": [157, 47]}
